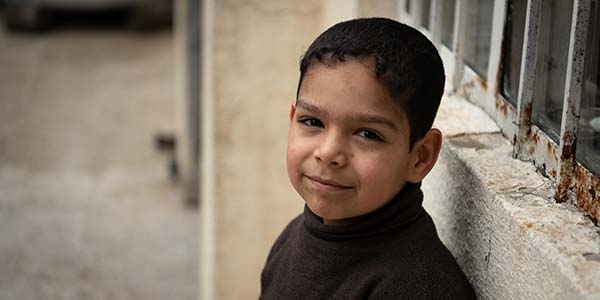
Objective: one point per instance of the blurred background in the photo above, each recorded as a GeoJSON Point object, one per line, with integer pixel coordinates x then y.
{"type": "Point", "coordinates": [142, 143]}
{"type": "Point", "coordinates": [92, 204]}
{"type": "Point", "coordinates": [142, 148]}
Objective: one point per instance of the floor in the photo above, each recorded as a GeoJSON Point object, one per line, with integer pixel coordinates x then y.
{"type": "Point", "coordinates": [87, 210]}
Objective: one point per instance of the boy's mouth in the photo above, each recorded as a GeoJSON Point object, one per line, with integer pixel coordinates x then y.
{"type": "Point", "coordinates": [327, 184]}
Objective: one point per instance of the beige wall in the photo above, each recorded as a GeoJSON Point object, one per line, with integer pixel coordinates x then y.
{"type": "Point", "coordinates": [252, 50]}
{"type": "Point", "coordinates": [381, 8]}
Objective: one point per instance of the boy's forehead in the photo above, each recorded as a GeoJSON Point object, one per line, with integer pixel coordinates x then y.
{"type": "Point", "coordinates": [359, 78]}
{"type": "Point", "coordinates": [329, 62]}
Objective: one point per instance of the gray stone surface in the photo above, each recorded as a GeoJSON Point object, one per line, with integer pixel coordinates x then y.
{"type": "Point", "coordinates": [86, 207]}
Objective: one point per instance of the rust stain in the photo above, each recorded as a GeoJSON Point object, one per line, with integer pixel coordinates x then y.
{"type": "Point", "coordinates": [566, 171]}
{"type": "Point", "coordinates": [503, 46]}
{"type": "Point", "coordinates": [567, 151]}
{"type": "Point", "coordinates": [527, 117]}
{"type": "Point", "coordinates": [468, 87]}
{"type": "Point", "coordinates": [482, 83]}
{"type": "Point", "coordinates": [587, 192]}
{"type": "Point", "coordinates": [528, 224]}
{"type": "Point", "coordinates": [502, 107]}
{"type": "Point", "coordinates": [535, 138]}
{"type": "Point", "coordinates": [550, 149]}
{"type": "Point", "coordinates": [562, 192]}
{"type": "Point", "coordinates": [499, 79]}
{"type": "Point", "coordinates": [531, 150]}
{"type": "Point", "coordinates": [553, 173]}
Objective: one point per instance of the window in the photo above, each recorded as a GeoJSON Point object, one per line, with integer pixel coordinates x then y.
{"type": "Point", "coordinates": [478, 35]}
{"type": "Point", "coordinates": [554, 118]}
{"type": "Point", "coordinates": [425, 13]}
{"type": "Point", "coordinates": [448, 10]}
{"type": "Point", "coordinates": [588, 136]}
{"type": "Point", "coordinates": [552, 66]}
{"type": "Point", "coordinates": [513, 49]}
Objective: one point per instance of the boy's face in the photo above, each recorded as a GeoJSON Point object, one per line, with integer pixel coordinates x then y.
{"type": "Point", "coordinates": [348, 145]}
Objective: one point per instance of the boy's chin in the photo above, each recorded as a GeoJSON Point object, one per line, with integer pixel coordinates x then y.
{"type": "Point", "coordinates": [331, 217]}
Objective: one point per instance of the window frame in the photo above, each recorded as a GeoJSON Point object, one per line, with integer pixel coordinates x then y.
{"type": "Point", "coordinates": [573, 182]}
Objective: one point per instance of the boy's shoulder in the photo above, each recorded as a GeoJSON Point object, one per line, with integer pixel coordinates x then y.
{"type": "Point", "coordinates": [287, 232]}
{"type": "Point", "coordinates": [425, 266]}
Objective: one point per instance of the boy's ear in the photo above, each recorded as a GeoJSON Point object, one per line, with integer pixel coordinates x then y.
{"type": "Point", "coordinates": [424, 155]}
{"type": "Point", "coordinates": [292, 110]}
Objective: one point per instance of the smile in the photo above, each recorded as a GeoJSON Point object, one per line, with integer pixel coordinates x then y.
{"type": "Point", "coordinates": [325, 184]}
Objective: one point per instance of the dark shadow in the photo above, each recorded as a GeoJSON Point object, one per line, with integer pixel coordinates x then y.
{"type": "Point", "coordinates": [113, 19]}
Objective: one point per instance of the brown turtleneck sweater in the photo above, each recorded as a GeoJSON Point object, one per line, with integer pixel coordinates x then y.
{"type": "Point", "coordinates": [391, 253]}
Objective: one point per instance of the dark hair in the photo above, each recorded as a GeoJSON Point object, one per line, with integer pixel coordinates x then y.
{"type": "Point", "coordinates": [404, 61]}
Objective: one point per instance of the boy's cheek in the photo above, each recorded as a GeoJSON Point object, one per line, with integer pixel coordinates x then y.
{"type": "Point", "coordinates": [295, 142]}
{"type": "Point", "coordinates": [292, 153]}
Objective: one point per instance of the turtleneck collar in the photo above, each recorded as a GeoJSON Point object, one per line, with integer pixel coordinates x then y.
{"type": "Point", "coordinates": [404, 208]}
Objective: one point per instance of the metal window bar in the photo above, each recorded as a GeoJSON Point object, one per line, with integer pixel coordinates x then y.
{"type": "Point", "coordinates": [435, 22]}
{"type": "Point", "coordinates": [573, 94]}
{"type": "Point", "coordinates": [531, 142]}
{"type": "Point", "coordinates": [417, 14]}
{"type": "Point", "coordinates": [503, 112]}
{"type": "Point", "coordinates": [459, 42]}
{"type": "Point", "coordinates": [523, 145]}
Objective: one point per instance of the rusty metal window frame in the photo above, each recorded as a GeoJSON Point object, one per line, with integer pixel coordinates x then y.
{"type": "Point", "coordinates": [557, 161]}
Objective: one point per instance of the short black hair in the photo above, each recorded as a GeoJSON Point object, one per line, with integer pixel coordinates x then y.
{"type": "Point", "coordinates": [404, 61]}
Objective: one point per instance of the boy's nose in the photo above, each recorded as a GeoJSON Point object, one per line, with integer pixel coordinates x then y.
{"type": "Point", "coordinates": [331, 151]}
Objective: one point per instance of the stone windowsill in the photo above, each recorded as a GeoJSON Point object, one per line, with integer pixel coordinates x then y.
{"type": "Point", "coordinates": [497, 215]}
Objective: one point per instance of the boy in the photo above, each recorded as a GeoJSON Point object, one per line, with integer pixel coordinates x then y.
{"type": "Point", "coordinates": [360, 142]}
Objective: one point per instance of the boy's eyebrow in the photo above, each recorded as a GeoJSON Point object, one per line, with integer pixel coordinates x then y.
{"type": "Point", "coordinates": [366, 118]}
{"type": "Point", "coordinates": [311, 108]}
{"type": "Point", "coordinates": [362, 118]}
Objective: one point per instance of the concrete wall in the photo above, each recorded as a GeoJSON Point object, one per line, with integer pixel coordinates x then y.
{"type": "Point", "coordinates": [498, 217]}
{"type": "Point", "coordinates": [252, 49]}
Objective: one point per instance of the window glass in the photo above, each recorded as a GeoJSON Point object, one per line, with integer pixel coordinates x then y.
{"type": "Point", "coordinates": [513, 48]}
{"type": "Point", "coordinates": [447, 35]}
{"type": "Point", "coordinates": [425, 9]}
{"type": "Point", "coordinates": [588, 136]}
{"type": "Point", "coordinates": [478, 35]}
{"type": "Point", "coordinates": [552, 66]}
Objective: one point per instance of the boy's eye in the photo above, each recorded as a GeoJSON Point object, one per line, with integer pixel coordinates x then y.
{"type": "Point", "coordinates": [311, 122]}
{"type": "Point", "coordinates": [368, 134]}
